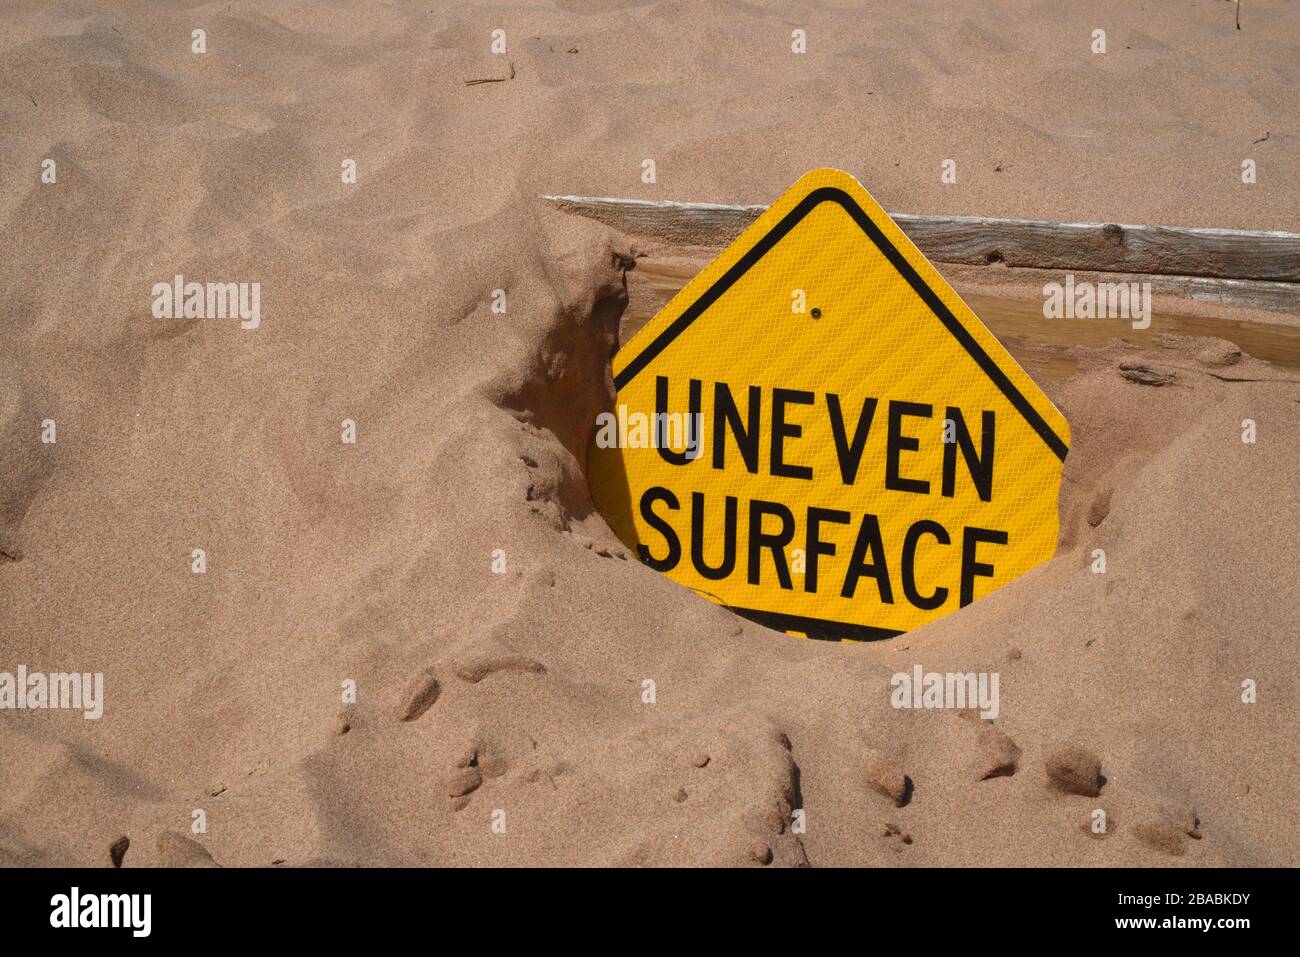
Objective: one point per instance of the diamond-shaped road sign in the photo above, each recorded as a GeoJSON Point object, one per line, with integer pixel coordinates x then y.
{"type": "Point", "coordinates": [819, 434]}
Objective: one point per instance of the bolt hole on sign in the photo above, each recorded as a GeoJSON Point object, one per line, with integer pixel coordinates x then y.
{"type": "Point", "coordinates": [838, 448]}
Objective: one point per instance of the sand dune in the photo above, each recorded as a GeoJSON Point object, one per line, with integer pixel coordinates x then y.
{"type": "Point", "coordinates": [524, 691]}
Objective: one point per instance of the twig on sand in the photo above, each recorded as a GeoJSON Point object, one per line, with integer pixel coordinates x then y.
{"type": "Point", "coordinates": [1238, 14]}
{"type": "Point", "coordinates": [1262, 139]}
{"type": "Point", "coordinates": [494, 79]}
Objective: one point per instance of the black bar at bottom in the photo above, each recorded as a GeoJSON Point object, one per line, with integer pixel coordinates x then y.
{"type": "Point", "coordinates": [976, 907]}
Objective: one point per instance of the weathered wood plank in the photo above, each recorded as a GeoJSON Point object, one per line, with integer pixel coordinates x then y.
{"type": "Point", "coordinates": [1281, 297]}
{"type": "Point", "coordinates": [685, 224]}
{"type": "Point", "coordinates": [1108, 247]}
{"type": "Point", "coordinates": [1100, 247]}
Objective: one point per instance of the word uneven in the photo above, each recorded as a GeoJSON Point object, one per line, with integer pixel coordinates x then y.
{"type": "Point", "coordinates": [213, 300]}
{"type": "Point", "coordinates": [947, 690]}
{"type": "Point", "coordinates": [1102, 300]}
{"type": "Point", "coordinates": [57, 690]}
{"type": "Point", "coordinates": [103, 910]}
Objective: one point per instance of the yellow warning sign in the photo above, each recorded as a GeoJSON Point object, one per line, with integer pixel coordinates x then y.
{"type": "Point", "coordinates": [819, 434]}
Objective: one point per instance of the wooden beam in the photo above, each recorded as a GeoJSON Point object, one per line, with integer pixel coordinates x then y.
{"type": "Point", "coordinates": [1232, 254]}
{"type": "Point", "coordinates": [1273, 302]}
{"type": "Point", "coordinates": [1281, 297]}
{"type": "Point", "coordinates": [684, 224]}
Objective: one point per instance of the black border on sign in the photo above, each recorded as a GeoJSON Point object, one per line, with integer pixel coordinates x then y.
{"type": "Point", "coordinates": [818, 627]}
{"type": "Point", "coordinates": [833, 194]}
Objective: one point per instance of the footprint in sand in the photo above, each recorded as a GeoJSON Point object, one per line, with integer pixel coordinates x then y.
{"type": "Point", "coordinates": [1100, 507]}
{"type": "Point", "coordinates": [484, 657]}
{"type": "Point", "coordinates": [474, 765]}
{"type": "Point", "coordinates": [896, 839]}
{"type": "Point", "coordinates": [464, 781]}
{"type": "Point", "coordinates": [420, 694]}
{"type": "Point", "coordinates": [886, 775]}
{"type": "Point", "coordinates": [1075, 770]}
{"type": "Point", "coordinates": [1168, 830]}
{"type": "Point", "coordinates": [786, 800]}
{"type": "Point", "coordinates": [1163, 836]}
{"type": "Point", "coordinates": [996, 755]}
{"type": "Point", "coordinates": [343, 722]}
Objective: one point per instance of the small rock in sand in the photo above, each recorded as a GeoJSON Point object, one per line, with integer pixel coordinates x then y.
{"type": "Point", "coordinates": [117, 850]}
{"type": "Point", "coordinates": [699, 759]}
{"type": "Point", "coordinates": [1075, 770]}
{"type": "Point", "coordinates": [760, 853]}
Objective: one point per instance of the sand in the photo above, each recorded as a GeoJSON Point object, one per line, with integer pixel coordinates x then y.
{"type": "Point", "coordinates": [502, 718]}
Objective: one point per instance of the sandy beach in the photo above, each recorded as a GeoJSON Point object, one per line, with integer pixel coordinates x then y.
{"type": "Point", "coordinates": [335, 556]}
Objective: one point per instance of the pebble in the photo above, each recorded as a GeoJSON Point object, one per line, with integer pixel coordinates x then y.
{"type": "Point", "coordinates": [117, 850]}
